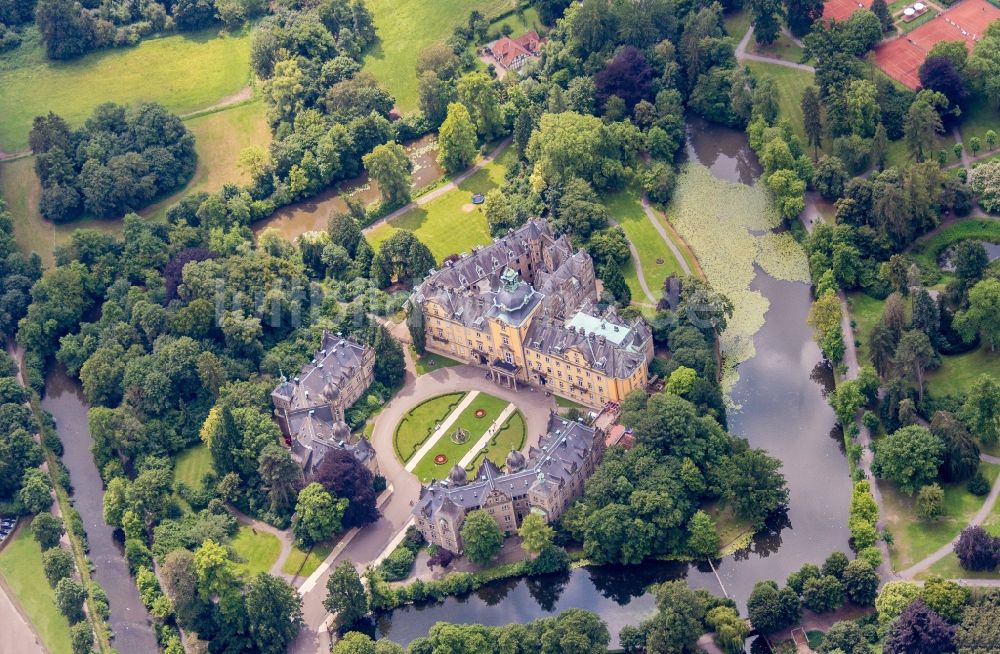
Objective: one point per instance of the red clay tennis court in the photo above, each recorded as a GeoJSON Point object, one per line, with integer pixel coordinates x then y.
{"type": "Point", "coordinates": [901, 57]}
{"type": "Point", "coordinates": [842, 9]}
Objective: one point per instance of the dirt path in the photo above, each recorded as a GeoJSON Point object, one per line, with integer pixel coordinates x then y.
{"type": "Point", "coordinates": [441, 190]}
{"type": "Point", "coordinates": [742, 54]}
{"type": "Point", "coordinates": [658, 226]}
{"type": "Point", "coordinates": [242, 95]}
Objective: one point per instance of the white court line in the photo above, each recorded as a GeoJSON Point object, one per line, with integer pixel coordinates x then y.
{"type": "Point", "coordinates": [436, 436]}
{"type": "Point", "coordinates": [490, 433]}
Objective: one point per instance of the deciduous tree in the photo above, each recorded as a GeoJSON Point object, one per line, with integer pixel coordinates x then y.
{"type": "Point", "coordinates": [481, 537]}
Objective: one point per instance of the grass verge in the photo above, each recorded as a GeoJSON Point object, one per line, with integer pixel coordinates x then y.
{"type": "Point", "coordinates": [865, 312]}
{"type": "Point", "coordinates": [302, 563]}
{"type": "Point", "coordinates": [21, 569]}
{"type": "Point", "coordinates": [431, 361]}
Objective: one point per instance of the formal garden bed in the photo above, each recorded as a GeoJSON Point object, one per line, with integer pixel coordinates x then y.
{"type": "Point", "coordinates": [454, 449]}
{"type": "Point", "coordinates": [509, 437]}
{"type": "Point", "coordinates": [418, 425]}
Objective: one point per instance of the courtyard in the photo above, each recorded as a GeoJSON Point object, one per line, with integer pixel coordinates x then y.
{"type": "Point", "coordinates": [457, 428]}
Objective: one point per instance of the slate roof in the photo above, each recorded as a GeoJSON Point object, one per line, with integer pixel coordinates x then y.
{"type": "Point", "coordinates": [560, 452]}
{"type": "Point", "coordinates": [318, 431]}
{"type": "Point", "coordinates": [607, 342]}
{"type": "Point", "coordinates": [336, 362]}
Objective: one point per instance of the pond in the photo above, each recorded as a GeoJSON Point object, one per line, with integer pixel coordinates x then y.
{"type": "Point", "coordinates": [312, 214]}
{"type": "Point", "coordinates": [129, 620]}
{"type": "Point", "coordinates": [781, 394]}
{"type": "Point", "coordinates": [992, 254]}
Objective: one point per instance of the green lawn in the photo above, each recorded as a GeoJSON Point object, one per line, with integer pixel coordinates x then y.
{"type": "Point", "coordinates": [193, 464]}
{"type": "Point", "coordinates": [185, 72]}
{"type": "Point", "coordinates": [737, 23]}
{"type": "Point", "coordinates": [426, 469]}
{"type": "Point", "coordinates": [898, 155]}
{"type": "Point", "coordinates": [450, 224]}
{"type": "Point", "coordinates": [914, 539]}
{"type": "Point", "coordinates": [258, 551]}
{"type": "Point", "coordinates": [927, 250]}
{"type": "Point", "coordinates": [510, 437]}
{"type": "Point", "coordinates": [977, 119]}
{"type": "Point", "coordinates": [219, 138]}
{"type": "Point", "coordinates": [658, 262]}
{"type": "Point", "coordinates": [406, 27]}
{"type": "Point", "coordinates": [949, 568]}
{"type": "Point", "coordinates": [417, 425]}
{"type": "Point", "coordinates": [431, 361]}
{"type": "Point", "coordinates": [790, 82]}
{"type": "Point", "coordinates": [782, 48]}
{"type": "Point", "coordinates": [21, 569]}
{"type": "Point", "coordinates": [957, 373]}
{"type": "Point", "coordinates": [303, 563]}
{"type": "Point", "coordinates": [520, 23]}
{"type": "Point", "coordinates": [865, 312]}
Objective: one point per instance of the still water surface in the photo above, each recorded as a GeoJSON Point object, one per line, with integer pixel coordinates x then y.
{"type": "Point", "coordinates": [782, 394]}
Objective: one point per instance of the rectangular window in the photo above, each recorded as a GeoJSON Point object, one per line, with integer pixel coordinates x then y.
{"type": "Point", "coordinates": [506, 340]}
{"type": "Point", "coordinates": [508, 357]}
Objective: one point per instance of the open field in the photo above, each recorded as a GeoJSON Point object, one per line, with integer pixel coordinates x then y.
{"type": "Point", "coordinates": [914, 539]}
{"type": "Point", "coordinates": [186, 73]}
{"type": "Point", "coordinates": [417, 425]}
{"type": "Point", "coordinates": [520, 23]}
{"type": "Point", "coordinates": [193, 464]}
{"type": "Point", "coordinates": [450, 224]}
{"type": "Point", "coordinates": [219, 138]}
{"type": "Point", "coordinates": [426, 469]}
{"type": "Point", "coordinates": [658, 262]}
{"type": "Point", "coordinates": [405, 28]}
{"type": "Point", "coordinates": [790, 82]}
{"type": "Point", "coordinates": [259, 550]}
{"type": "Point", "coordinates": [21, 569]}
{"type": "Point", "coordinates": [19, 187]}
{"type": "Point", "coordinates": [510, 437]}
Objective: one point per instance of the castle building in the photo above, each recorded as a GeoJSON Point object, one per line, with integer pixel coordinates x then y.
{"type": "Point", "coordinates": [544, 482]}
{"type": "Point", "coordinates": [524, 307]}
{"type": "Point", "coordinates": [309, 408]}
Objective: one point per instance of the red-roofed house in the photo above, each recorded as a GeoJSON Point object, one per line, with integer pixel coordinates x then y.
{"type": "Point", "coordinates": [511, 54]}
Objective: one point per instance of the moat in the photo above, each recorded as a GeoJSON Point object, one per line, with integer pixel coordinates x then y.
{"type": "Point", "coordinates": [781, 392]}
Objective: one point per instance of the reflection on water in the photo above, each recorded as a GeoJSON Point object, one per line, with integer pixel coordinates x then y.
{"type": "Point", "coordinates": [992, 254]}
{"type": "Point", "coordinates": [723, 150]}
{"type": "Point", "coordinates": [312, 214]}
{"type": "Point", "coordinates": [129, 620]}
{"type": "Point", "coordinates": [782, 390]}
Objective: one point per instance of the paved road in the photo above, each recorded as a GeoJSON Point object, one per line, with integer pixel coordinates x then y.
{"type": "Point", "coordinates": [371, 541]}
{"type": "Point", "coordinates": [17, 635]}
{"type": "Point", "coordinates": [441, 190]}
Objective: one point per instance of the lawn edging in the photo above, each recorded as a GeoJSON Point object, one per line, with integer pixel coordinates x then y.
{"type": "Point", "coordinates": [395, 434]}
